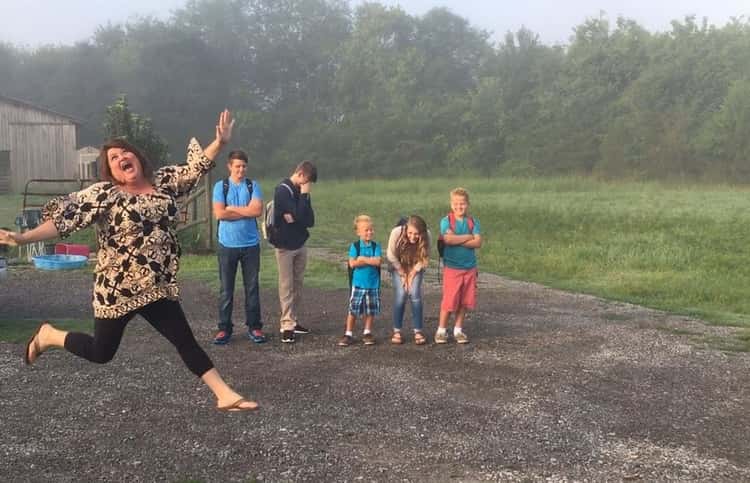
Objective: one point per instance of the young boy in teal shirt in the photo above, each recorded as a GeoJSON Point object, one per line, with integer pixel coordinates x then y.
{"type": "Point", "coordinates": [364, 299]}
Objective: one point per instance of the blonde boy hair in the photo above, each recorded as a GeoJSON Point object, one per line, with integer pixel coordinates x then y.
{"type": "Point", "coordinates": [460, 192]}
{"type": "Point", "coordinates": [361, 219]}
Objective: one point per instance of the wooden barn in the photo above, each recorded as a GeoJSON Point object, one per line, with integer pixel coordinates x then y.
{"type": "Point", "coordinates": [35, 143]}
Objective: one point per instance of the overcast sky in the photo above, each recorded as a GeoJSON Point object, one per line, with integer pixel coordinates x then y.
{"type": "Point", "coordinates": [35, 22]}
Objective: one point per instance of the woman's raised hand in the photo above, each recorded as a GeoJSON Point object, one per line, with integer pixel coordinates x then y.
{"type": "Point", "coordinates": [9, 238]}
{"type": "Point", "coordinates": [224, 127]}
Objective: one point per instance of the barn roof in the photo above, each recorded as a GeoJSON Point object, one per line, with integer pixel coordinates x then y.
{"type": "Point", "coordinates": [19, 102]}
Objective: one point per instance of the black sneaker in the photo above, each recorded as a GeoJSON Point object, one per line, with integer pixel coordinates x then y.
{"type": "Point", "coordinates": [287, 336]}
{"type": "Point", "coordinates": [298, 329]}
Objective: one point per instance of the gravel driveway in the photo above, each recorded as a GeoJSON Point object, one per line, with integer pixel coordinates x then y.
{"type": "Point", "coordinates": [554, 387]}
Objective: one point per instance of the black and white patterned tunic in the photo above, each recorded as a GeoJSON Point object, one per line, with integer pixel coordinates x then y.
{"type": "Point", "coordinates": [138, 252]}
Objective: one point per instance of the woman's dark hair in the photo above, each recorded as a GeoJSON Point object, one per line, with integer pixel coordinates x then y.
{"type": "Point", "coordinates": [105, 174]}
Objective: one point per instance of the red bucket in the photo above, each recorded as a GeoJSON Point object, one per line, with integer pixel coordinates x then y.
{"type": "Point", "coordinates": [71, 249]}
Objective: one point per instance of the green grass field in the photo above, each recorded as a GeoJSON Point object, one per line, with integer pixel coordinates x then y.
{"type": "Point", "coordinates": [679, 248]}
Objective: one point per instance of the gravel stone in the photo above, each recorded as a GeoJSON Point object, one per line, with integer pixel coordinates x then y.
{"type": "Point", "coordinates": [554, 387]}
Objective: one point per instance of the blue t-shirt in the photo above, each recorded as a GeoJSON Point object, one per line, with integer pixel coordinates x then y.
{"type": "Point", "coordinates": [459, 256]}
{"type": "Point", "coordinates": [243, 232]}
{"type": "Point", "coordinates": [366, 276]}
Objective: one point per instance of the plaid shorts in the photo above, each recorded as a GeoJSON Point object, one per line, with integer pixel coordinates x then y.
{"type": "Point", "coordinates": [364, 301]}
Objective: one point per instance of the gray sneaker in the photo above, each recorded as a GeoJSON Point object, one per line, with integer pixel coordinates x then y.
{"type": "Point", "coordinates": [461, 338]}
{"type": "Point", "coordinates": [441, 338]}
{"type": "Point", "coordinates": [368, 339]}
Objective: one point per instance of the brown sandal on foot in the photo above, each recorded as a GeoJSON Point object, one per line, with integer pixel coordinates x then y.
{"type": "Point", "coordinates": [396, 338]}
{"type": "Point", "coordinates": [419, 338]}
{"type": "Point", "coordinates": [35, 341]}
{"type": "Point", "coordinates": [237, 406]}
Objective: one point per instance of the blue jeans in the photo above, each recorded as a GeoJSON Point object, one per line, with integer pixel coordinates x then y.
{"type": "Point", "coordinates": [249, 258]}
{"type": "Point", "coordinates": [399, 300]}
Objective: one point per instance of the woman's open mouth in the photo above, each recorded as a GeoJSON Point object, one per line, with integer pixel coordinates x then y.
{"type": "Point", "coordinates": [127, 166]}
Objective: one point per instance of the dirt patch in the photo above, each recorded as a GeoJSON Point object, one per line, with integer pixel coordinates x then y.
{"type": "Point", "coordinates": [554, 386]}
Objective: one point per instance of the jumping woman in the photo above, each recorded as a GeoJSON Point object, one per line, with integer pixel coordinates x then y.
{"type": "Point", "coordinates": [134, 210]}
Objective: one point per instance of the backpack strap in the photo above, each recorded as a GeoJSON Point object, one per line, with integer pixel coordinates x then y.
{"type": "Point", "coordinates": [291, 191]}
{"type": "Point", "coordinates": [224, 190]}
{"type": "Point", "coordinates": [374, 246]}
{"type": "Point", "coordinates": [452, 223]}
{"type": "Point", "coordinates": [377, 269]}
{"type": "Point", "coordinates": [350, 269]}
{"type": "Point", "coordinates": [225, 187]}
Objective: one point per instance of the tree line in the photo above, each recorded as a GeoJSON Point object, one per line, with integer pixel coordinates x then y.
{"type": "Point", "coordinates": [374, 91]}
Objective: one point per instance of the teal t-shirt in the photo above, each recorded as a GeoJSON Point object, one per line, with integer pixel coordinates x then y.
{"type": "Point", "coordinates": [240, 233]}
{"type": "Point", "coordinates": [367, 276]}
{"type": "Point", "coordinates": [458, 256]}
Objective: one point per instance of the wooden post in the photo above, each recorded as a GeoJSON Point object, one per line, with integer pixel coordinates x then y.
{"type": "Point", "coordinates": [209, 211]}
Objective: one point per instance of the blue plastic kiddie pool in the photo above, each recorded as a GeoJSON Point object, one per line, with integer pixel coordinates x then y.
{"type": "Point", "coordinates": [60, 262]}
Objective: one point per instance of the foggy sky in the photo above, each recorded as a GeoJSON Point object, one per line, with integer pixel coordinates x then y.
{"type": "Point", "coordinates": [32, 23]}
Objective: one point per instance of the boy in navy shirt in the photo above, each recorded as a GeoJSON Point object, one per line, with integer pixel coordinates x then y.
{"type": "Point", "coordinates": [293, 216]}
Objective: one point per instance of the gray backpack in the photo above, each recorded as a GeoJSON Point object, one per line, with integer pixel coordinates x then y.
{"type": "Point", "coordinates": [269, 228]}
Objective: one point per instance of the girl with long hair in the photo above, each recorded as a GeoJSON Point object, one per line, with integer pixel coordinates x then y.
{"type": "Point", "coordinates": [408, 255]}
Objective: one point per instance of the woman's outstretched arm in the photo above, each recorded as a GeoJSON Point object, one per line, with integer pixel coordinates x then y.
{"type": "Point", "coordinates": [45, 231]}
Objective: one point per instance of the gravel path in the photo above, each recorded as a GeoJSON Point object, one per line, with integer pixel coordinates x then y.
{"type": "Point", "coordinates": [554, 387]}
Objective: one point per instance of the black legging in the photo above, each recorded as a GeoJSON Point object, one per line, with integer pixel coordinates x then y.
{"type": "Point", "coordinates": [166, 316]}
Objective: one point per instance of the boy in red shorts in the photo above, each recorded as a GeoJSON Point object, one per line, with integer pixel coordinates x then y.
{"type": "Point", "coordinates": [461, 235]}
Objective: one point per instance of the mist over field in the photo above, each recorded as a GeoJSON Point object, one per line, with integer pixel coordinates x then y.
{"type": "Point", "coordinates": [611, 89]}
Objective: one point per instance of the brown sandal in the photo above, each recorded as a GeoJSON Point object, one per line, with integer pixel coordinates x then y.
{"type": "Point", "coordinates": [396, 338]}
{"type": "Point", "coordinates": [419, 338]}
{"type": "Point", "coordinates": [237, 406]}
{"type": "Point", "coordinates": [37, 348]}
